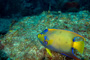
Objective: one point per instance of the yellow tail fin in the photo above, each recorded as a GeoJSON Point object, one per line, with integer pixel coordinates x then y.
{"type": "Point", "coordinates": [79, 45]}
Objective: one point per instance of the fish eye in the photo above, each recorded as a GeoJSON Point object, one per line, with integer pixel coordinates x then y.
{"type": "Point", "coordinates": [45, 42]}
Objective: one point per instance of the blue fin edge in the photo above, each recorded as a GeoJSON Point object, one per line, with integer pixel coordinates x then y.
{"type": "Point", "coordinates": [46, 30]}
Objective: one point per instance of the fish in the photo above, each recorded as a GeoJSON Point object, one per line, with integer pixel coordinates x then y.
{"type": "Point", "coordinates": [61, 41]}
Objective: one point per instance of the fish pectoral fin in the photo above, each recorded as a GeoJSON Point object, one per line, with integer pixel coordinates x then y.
{"type": "Point", "coordinates": [49, 52]}
{"type": "Point", "coordinates": [79, 45]}
{"type": "Point", "coordinates": [50, 42]}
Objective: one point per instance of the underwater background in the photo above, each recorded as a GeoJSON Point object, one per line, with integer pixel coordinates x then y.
{"type": "Point", "coordinates": [22, 20]}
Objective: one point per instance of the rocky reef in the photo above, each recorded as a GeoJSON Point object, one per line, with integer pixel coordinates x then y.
{"type": "Point", "coordinates": [21, 42]}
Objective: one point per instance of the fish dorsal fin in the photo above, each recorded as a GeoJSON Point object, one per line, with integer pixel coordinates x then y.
{"type": "Point", "coordinates": [81, 37]}
{"type": "Point", "coordinates": [79, 45]}
{"type": "Point", "coordinates": [52, 29]}
{"type": "Point", "coordinates": [77, 35]}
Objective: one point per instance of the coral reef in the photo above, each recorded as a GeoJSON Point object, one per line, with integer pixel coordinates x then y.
{"type": "Point", "coordinates": [21, 42]}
